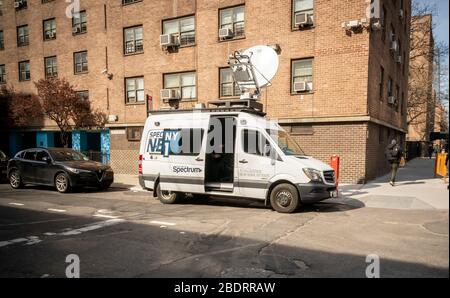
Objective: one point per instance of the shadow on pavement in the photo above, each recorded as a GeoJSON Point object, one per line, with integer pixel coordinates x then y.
{"type": "Point", "coordinates": [129, 249]}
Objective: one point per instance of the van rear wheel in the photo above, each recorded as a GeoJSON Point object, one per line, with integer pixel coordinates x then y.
{"type": "Point", "coordinates": [284, 198]}
{"type": "Point", "coordinates": [167, 197]}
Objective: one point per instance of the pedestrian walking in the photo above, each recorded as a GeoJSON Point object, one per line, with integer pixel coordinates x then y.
{"type": "Point", "coordinates": [430, 151]}
{"type": "Point", "coordinates": [393, 155]}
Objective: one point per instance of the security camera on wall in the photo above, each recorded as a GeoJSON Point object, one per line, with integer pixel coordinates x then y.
{"type": "Point", "coordinates": [109, 75]}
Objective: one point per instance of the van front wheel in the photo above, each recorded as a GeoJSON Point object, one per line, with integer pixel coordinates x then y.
{"type": "Point", "coordinates": [166, 197]}
{"type": "Point", "coordinates": [284, 198]}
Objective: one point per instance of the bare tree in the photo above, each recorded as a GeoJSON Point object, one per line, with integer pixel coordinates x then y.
{"type": "Point", "coordinates": [424, 60]}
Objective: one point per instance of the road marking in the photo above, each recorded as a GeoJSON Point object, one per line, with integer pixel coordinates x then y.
{"type": "Point", "coordinates": [105, 216]}
{"type": "Point", "coordinates": [162, 223]}
{"type": "Point", "coordinates": [92, 227]}
{"type": "Point", "coordinates": [56, 210]}
{"type": "Point", "coordinates": [17, 204]}
{"type": "Point", "coordinates": [29, 241]}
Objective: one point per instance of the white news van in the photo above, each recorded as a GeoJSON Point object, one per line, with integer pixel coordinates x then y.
{"type": "Point", "coordinates": [248, 157]}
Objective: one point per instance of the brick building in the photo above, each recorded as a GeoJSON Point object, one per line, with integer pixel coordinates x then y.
{"type": "Point", "coordinates": [353, 66]}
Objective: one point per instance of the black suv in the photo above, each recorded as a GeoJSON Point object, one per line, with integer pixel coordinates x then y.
{"type": "Point", "coordinates": [59, 167]}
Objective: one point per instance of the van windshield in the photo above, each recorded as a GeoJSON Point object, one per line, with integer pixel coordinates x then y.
{"type": "Point", "coordinates": [286, 143]}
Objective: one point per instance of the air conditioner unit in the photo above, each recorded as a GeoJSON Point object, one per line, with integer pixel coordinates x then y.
{"type": "Point", "coordinates": [399, 59]}
{"type": "Point", "coordinates": [51, 35]}
{"type": "Point", "coordinates": [168, 40]}
{"type": "Point", "coordinates": [303, 20]}
{"type": "Point", "coordinates": [300, 86]}
{"type": "Point", "coordinates": [17, 4]}
{"type": "Point", "coordinates": [113, 118]}
{"type": "Point", "coordinates": [75, 30]}
{"type": "Point", "coordinates": [169, 94]}
{"type": "Point", "coordinates": [392, 100]}
{"type": "Point", "coordinates": [401, 13]}
{"type": "Point", "coordinates": [225, 33]}
{"type": "Point", "coordinates": [354, 24]}
{"type": "Point", "coordinates": [394, 46]}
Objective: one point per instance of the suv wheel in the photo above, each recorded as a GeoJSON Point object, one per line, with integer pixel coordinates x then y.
{"type": "Point", "coordinates": [284, 198]}
{"type": "Point", "coordinates": [167, 197]}
{"type": "Point", "coordinates": [62, 183]}
{"type": "Point", "coordinates": [15, 180]}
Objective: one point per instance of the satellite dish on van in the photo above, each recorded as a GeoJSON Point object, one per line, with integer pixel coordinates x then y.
{"type": "Point", "coordinates": [254, 69]}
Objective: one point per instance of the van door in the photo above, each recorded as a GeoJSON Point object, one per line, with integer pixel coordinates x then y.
{"type": "Point", "coordinates": [184, 150]}
{"type": "Point", "coordinates": [255, 163]}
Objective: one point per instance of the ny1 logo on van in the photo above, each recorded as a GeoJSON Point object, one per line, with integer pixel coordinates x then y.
{"type": "Point", "coordinates": [164, 141]}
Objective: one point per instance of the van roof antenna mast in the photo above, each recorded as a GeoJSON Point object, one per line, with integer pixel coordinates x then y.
{"type": "Point", "coordinates": [253, 69]}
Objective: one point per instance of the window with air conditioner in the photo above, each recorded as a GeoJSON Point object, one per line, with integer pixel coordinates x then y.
{"type": "Point", "coordinates": [134, 40]}
{"type": "Point", "coordinates": [79, 23]}
{"type": "Point", "coordinates": [22, 36]}
{"type": "Point", "coordinates": [50, 29]}
{"type": "Point", "coordinates": [302, 76]}
{"type": "Point", "coordinates": [228, 87]}
{"type": "Point", "coordinates": [20, 4]}
{"type": "Point", "coordinates": [51, 67]}
{"type": "Point", "coordinates": [2, 74]}
{"type": "Point", "coordinates": [302, 13]}
{"type": "Point", "coordinates": [183, 83]}
{"type": "Point", "coordinates": [134, 90]}
{"type": "Point", "coordinates": [232, 19]}
{"type": "Point", "coordinates": [80, 62]}
{"type": "Point", "coordinates": [182, 30]}
{"type": "Point", "coordinates": [24, 71]}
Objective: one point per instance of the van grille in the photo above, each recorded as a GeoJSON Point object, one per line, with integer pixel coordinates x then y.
{"type": "Point", "coordinates": [329, 177]}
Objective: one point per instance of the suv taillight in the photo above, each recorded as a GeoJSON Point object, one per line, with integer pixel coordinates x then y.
{"type": "Point", "coordinates": [140, 165]}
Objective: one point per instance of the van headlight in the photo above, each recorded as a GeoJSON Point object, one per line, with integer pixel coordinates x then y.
{"type": "Point", "coordinates": [313, 175]}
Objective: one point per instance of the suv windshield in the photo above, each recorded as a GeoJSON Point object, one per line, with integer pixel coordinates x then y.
{"type": "Point", "coordinates": [67, 155]}
{"type": "Point", "coordinates": [286, 143]}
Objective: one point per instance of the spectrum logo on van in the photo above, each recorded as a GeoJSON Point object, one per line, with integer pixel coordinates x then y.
{"type": "Point", "coordinates": [185, 169]}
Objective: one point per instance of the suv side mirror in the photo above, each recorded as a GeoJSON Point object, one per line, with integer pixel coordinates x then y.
{"type": "Point", "coordinates": [46, 159]}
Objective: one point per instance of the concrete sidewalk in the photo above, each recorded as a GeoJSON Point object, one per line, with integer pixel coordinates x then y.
{"type": "Point", "coordinates": [130, 182]}
{"type": "Point", "coordinates": [416, 189]}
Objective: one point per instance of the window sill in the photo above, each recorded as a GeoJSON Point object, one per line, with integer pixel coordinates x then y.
{"type": "Point", "coordinates": [133, 54]}
{"type": "Point", "coordinates": [50, 39]}
{"type": "Point", "coordinates": [293, 29]}
{"type": "Point", "coordinates": [135, 103]}
{"type": "Point", "coordinates": [303, 93]}
{"type": "Point", "coordinates": [231, 39]}
{"type": "Point", "coordinates": [23, 45]}
{"type": "Point", "coordinates": [81, 73]}
{"type": "Point", "coordinates": [24, 81]}
{"type": "Point", "coordinates": [80, 33]}
{"type": "Point", "coordinates": [229, 97]}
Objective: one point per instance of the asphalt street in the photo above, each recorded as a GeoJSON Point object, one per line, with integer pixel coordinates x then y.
{"type": "Point", "coordinates": [123, 233]}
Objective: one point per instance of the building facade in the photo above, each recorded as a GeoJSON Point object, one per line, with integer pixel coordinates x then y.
{"type": "Point", "coordinates": [352, 104]}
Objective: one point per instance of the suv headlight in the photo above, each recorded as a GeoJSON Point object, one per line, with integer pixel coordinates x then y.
{"type": "Point", "coordinates": [77, 171]}
{"type": "Point", "coordinates": [313, 175]}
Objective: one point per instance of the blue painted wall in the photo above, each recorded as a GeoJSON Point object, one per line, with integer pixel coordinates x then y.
{"type": "Point", "coordinates": [45, 139]}
{"type": "Point", "coordinates": [15, 143]}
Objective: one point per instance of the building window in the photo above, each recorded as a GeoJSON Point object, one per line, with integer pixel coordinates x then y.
{"type": "Point", "coordinates": [22, 36]}
{"type": "Point", "coordinates": [80, 62]}
{"type": "Point", "coordinates": [234, 19]}
{"type": "Point", "coordinates": [134, 134]}
{"type": "Point", "coordinates": [228, 86]}
{"type": "Point", "coordinates": [302, 71]}
{"type": "Point", "coordinates": [2, 74]}
{"type": "Point", "coordinates": [24, 71]}
{"type": "Point", "coordinates": [51, 67]}
{"type": "Point", "coordinates": [254, 143]}
{"type": "Point", "coordinates": [381, 85]}
{"type": "Point", "coordinates": [134, 41]}
{"type": "Point", "coordinates": [184, 83]}
{"type": "Point", "coordinates": [50, 29]}
{"type": "Point", "coordinates": [135, 91]}
{"type": "Point", "coordinates": [84, 95]}
{"type": "Point", "coordinates": [79, 23]}
{"type": "Point", "coordinates": [390, 87]}
{"type": "Point", "coordinates": [302, 7]}
{"type": "Point", "coordinates": [2, 41]}
{"type": "Point", "coordinates": [125, 2]}
{"type": "Point", "coordinates": [20, 4]}
{"type": "Point", "coordinates": [183, 28]}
